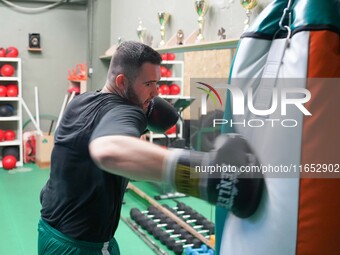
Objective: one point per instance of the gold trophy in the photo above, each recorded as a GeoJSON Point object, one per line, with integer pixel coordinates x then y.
{"type": "Point", "coordinates": [248, 5]}
{"type": "Point", "coordinates": [201, 7]}
{"type": "Point", "coordinates": [163, 18]}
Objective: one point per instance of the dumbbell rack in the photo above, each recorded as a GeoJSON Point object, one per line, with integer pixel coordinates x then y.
{"type": "Point", "coordinates": [13, 122]}
{"type": "Point", "coordinates": [168, 232]}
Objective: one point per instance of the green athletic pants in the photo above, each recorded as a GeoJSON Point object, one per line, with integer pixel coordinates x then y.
{"type": "Point", "coordinates": [52, 242]}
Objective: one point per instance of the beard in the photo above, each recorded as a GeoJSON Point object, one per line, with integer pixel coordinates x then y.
{"type": "Point", "coordinates": [132, 96]}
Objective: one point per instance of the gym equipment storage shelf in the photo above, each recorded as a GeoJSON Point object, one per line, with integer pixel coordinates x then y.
{"type": "Point", "coordinates": [79, 86]}
{"type": "Point", "coordinates": [176, 68]}
{"type": "Point", "coordinates": [13, 103]}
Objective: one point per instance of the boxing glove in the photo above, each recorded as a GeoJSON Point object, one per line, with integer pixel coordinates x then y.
{"type": "Point", "coordinates": [218, 176]}
{"type": "Point", "coordinates": [161, 115]}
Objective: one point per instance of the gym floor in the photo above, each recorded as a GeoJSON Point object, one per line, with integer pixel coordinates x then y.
{"type": "Point", "coordinates": [19, 212]}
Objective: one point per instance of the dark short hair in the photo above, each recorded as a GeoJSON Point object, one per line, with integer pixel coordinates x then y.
{"type": "Point", "coordinates": [129, 57]}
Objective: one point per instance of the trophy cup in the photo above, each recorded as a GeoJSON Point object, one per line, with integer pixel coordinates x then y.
{"type": "Point", "coordinates": [201, 7]}
{"type": "Point", "coordinates": [163, 18]}
{"type": "Point", "coordinates": [248, 5]}
{"type": "Point", "coordinates": [180, 37]}
{"type": "Point", "coordinates": [141, 31]}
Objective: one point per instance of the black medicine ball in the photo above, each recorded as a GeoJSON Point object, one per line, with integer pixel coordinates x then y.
{"type": "Point", "coordinates": [6, 111]}
{"type": "Point", "coordinates": [11, 150]}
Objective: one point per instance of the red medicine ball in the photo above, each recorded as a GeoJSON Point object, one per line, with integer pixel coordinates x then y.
{"type": "Point", "coordinates": [171, 130]}
{"type": "Point", "coordinates": [3, 91]}
{"type": "Point", "coordinates": [7, 70]}
{"type": "Point", "coordinates": [164, 71]}
{"type": "Point", "coordinates": [12, 52]}
{"type": "Point", "coordinates": [9, 135]}
{"type": "Point", "coordinates": [171, 56]}
{"type": "Point", "coordinates": [2, 135]}
{"type": "Point", "coordinates": [2, 52]}
{"type": "Point", "coordinates": [164, 89]}
{"type": "Point", "coordinates": [12, 90]}
{"type": "Point", "coordinates": [160, 91]}
{"type": "Point", "coordinates": [164, 56]}
{"type": "Point", "coordinates": [9, 162]}
{"type": "Point", "coordinates": [174, 89]}
{"type": "Point", "coordinates": [168, 73]}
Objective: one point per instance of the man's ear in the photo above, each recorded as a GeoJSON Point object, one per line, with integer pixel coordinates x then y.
{"type": "Point", "coordinates": [121, 82]}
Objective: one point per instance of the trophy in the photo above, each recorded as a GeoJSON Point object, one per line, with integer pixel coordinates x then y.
{"type": "Point", "coordinates": [180, 37]}
{"type": "Point", "coordinates": [221, 33]}
{"type": "Point", "coordinates": [248, 5]}
{"type": "Point", "coordinates": [163, 18]}
{"type": "Point", "coordinates": [201, 7]}
{"type": "Point", "coordinates": [141, 31]}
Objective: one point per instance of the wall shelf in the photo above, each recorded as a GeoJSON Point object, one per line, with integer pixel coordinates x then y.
{"type": "Point", "coordinates": [12, 118]}
{"type": "Point", "coordinates": [9, 143]}
{"type": "Point", "coordinates": [9, 98]}
{"type": "Point", "coordinates": [35, 49]}
{"type": "Point", "coordinates": [214, 45]}
{"type": "Point", "coordinates": [9, 78]}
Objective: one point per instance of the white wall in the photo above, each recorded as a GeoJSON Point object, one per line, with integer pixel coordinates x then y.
{"type": "Point", "coordinates": [74, 34]}
{"type": "Point", "coordinates": [63, 33]}
{"type": "Point", "coordinates": [228, 14]}
{"type": "Point", "coordinates": [99, 13]}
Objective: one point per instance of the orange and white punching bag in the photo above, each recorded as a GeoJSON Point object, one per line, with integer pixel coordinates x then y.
{"type": "Point", "coordinates": [287, 65]}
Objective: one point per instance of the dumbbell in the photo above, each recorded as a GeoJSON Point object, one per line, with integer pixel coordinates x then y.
{"type": "Point", "coordinates": [157, 232]}
{"type": "Point", "coordinates": [207, 226]}
{"type": "Point", "coordinates": [198, 251]}
{"type": "Point", "coordinates": [201, 221]}
{"type": "Point", "coordinates": [180, 213]}
{"type": "Point", "coordinates": [186, 212]}
{"type": "Point", "coordinates": [149, 225]}
{"type": "Point", "coordinates": [171, 209]}
{"type": "Point", "coordinates": [187, 209]}
{"type": "Point", "coordinates": [150, 213]}
{"type": "Point", "coordinates": [163, 235]}
{"type": "Point", "coordinates": [152, 210]}
{"type": "Point", "coordinates": [157, 215]}
{"type": "Point", "coordinates": [194, 217]}
{"type": "Point", "coordinates": [183, 207]}
{"type": "Point", "coordinates": [170, 241]}
{"type": "Point", "coordinates": [203, 231]}
{"type": "Point", "coordinates": [138, 216]}
{"type": "Point", "coordinates": [209, 252]}
{"type": "Point", "coordinates": [178, 247]}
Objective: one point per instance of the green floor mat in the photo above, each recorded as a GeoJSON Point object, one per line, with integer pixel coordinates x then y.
{"type": "Point", "coordinates": [20, 211]}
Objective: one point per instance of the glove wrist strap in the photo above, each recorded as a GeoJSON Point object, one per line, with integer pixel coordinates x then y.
{"type": "Point", "coordinates": [181, 174]}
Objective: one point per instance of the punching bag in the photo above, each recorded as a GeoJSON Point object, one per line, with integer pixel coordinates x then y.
{"type": "Point", "coordinates": [288, 64]}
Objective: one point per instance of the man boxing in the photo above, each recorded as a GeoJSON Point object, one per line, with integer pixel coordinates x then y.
{"type": "Point", "coordinates": [97, 149]}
